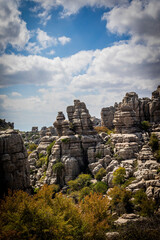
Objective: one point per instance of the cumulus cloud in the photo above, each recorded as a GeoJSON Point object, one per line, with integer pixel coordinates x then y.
{"type": "Point", "coordinates": [72, 7]}
{"type": "Point", "coordinates": [13, 29]}
{"type": "Point", "coordinates": [16, 94]}
{"type": "Point", "coordinates": [63, 40]}
{"type": "Point", "coordinates": [140, 19]}
{"type": "Point", "coordinates": [45, 40]}
{"type": "Point", "coordinates": [131, 65]}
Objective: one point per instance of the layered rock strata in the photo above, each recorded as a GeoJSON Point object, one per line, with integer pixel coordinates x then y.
{"type": "Point", "coordinates": [14, 166]}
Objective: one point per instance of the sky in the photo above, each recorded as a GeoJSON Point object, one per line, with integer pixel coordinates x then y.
{"type": "Point", "coordinates": [55, 51]}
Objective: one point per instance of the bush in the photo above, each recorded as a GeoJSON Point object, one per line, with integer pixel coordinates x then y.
{"type": "Point", "coordinates": [100, 129]}
{"type": "Point", "coordinates": [121, 200]}
{"type": "Point", "coordinates": [94, 208]}
{"type": "Point", "coordinates": [39, 217]}
{"type": "Point", "coordinates": [65, 140]}
{"type": "Point", "coordinates": [119, 176]}
{"type": "Point", "coordinates": [100, 187]}
{"type": "Point", "coordinates": [84, 192]}
{"type": "Point", "coordinates": [154, 142]}
{"type": "Point", "coordinates": [49, 148]}
{"type": "Point", "coordinates": [128, 182]}
{"type": "Point", "coordinates": [82, 181]}
{"type": "Point", "coordinates": [145, 125]}
{"type": "Point", "coordinates": [143, 205]}
{"type": "Point", "coordinates": [40, 162]}
{"type": "Point", "coordinates": [32, 146]}
{"type": "Point", "coordinates": [100, 174]}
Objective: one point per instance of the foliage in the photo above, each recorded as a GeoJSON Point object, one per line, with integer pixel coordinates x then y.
{"type": "Point", "coordinates": [65, 140]}
{"type": "Point", "coordinates": [39, 217]}
{"type": "Point", "coordinates": [41, 155]}
{"type": "Point", "coordinates": [100, 174]}
{"type": "Point", "coordinates": [32, 146]}
{"type": "Point", "coordinates": [120, 200]}
{"type": "Point", "coordinates": [128, 182]}
{"type": "Point", "coordinates": [119, 176]}
{"type": "Point", "coordinates": [100, 187]}
{"type": "Point", "coordinates": [83, 180]}
{"type": "Point", "coordinates": [84, 192]}
{"type": "Point", "coordinates": [145, 206]}
{"type": "Point", "coordinates": [99, 155]}
{"type": "Point", "coordinates": [154, 142]}
{"type": "Point", "coordinates": [49, 148]}
{"type": "Point", "coordinates": [157, 155]}
{"type": "Point", "coordinates": [145, 125]}
{"type": "Point", "coordinates": [57, 167]}
{"type": "Point", "coordinates": [100, 129]}
{"type": "Point", "coordinates": [117, 157]}
{"type": "Point", "coordinates": [40, 162]}
{"type": "Point", "coordinates": [95, 216]}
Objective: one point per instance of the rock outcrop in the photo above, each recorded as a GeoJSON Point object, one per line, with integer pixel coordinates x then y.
{"type": "Point", "coordinates": [14, 166]}
{"type": "Point", "coordinates": [127, 116]}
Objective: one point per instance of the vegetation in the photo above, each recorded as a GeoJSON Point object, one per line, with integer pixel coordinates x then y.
{"type": "Point", "coordinates": [43, 217]}
{"type": "Point", "coordinates": [119, 176]}
{"type": "Point", "coordinates": [49, 148]}
{"type": "Point", "coordinates": [100, 187]}
{"type": "Point", "coordinates": [65, 140]}
{"type": "Point", "coordinates": [83, 180]}
{"type": "Point", "coordinates": [154, 143]}
{"type": "Point", "coordinates": [143, 205]}
{"type": "Point", "coordinates": [100, 129]}
{"type": "Point", "coordinates": [121, 200]}
{"type": "Point", "coordinates": [145, 125]}
{"type": "Point", "coordinates": [100, 174]}
{"type": "Point", "coordinates": [32, 146]}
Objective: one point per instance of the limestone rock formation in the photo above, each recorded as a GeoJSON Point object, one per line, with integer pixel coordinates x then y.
{"type": "Point", "coordinates": [14, 166]}
{"type": "Point", "coordinates": [107, 116]}
{"type": "Point", "coordinates": [128, 114]}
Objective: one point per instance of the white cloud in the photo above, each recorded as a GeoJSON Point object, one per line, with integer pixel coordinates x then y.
{"type": "Point", "coordinates": [13, 29]}
{"type": "Point", "coordinates": [52, 52]}
{"type": "Point", "coordinates": [72, 7]}
{"type": "Point", "coordinates": [140, 19]}
{"type": "Point", "coordinates": [16, 94]}
{"type": "Point", "coordinates": [45, 40]}
{"type": "Point", "coordinates": [63, 40]}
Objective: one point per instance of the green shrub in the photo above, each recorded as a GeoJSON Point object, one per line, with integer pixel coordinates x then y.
{"type": "Point", "coordinates": [99, 155]}
{"type": "Point", "coordinates": [40, 162]}
{"type": "Point", "coordinates": [119, 176]}
{"type": "Point", "coordinates": [143, 205]}
{"type": "Point", "coordinates": [100, 187]}
{"type": "Point", "coordinates": [121, 200]}
{"type": "Point", "coordinates": [65, 140]}
{"type": "Point", "coordinates": [32, 146]}
{"type": "Point", "coordinates": [57, 167]}
{"type": "Point", "coordinates": [83, 180]}
{"type": "Point", "coordinates": [145, 125]}
{"type": "Point", "coordinates": [49, 148]}
{"type": "Point", "coordinates": [157, 155]}
{"type": "Point", "coordinates": [128, 182]}
{"type": "Point", "coordinates": [41, 155]}
{"type": "Point", "coordinates": [100, 174]}
{"type": "Point", "coordinates": [100, 129]}
{"type": "Point", "coordinates": [84, 192]}
{"type": "Point", "coordinates": [154, 142]}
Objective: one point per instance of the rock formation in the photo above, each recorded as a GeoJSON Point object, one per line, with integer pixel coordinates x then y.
{"type": "Point", "coordinates": [14, 166]}
{"type": "Point", "coordinates": [128, 114]}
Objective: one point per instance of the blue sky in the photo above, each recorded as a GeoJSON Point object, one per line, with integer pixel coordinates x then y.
{"type": "Point", "coordinates": [55, 51]}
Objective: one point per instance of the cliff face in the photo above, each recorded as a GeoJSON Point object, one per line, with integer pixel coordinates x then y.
{"type": "Point", "coordinates": [128, 114]}
{"type": "Point", "coordinates": [14, 166]}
